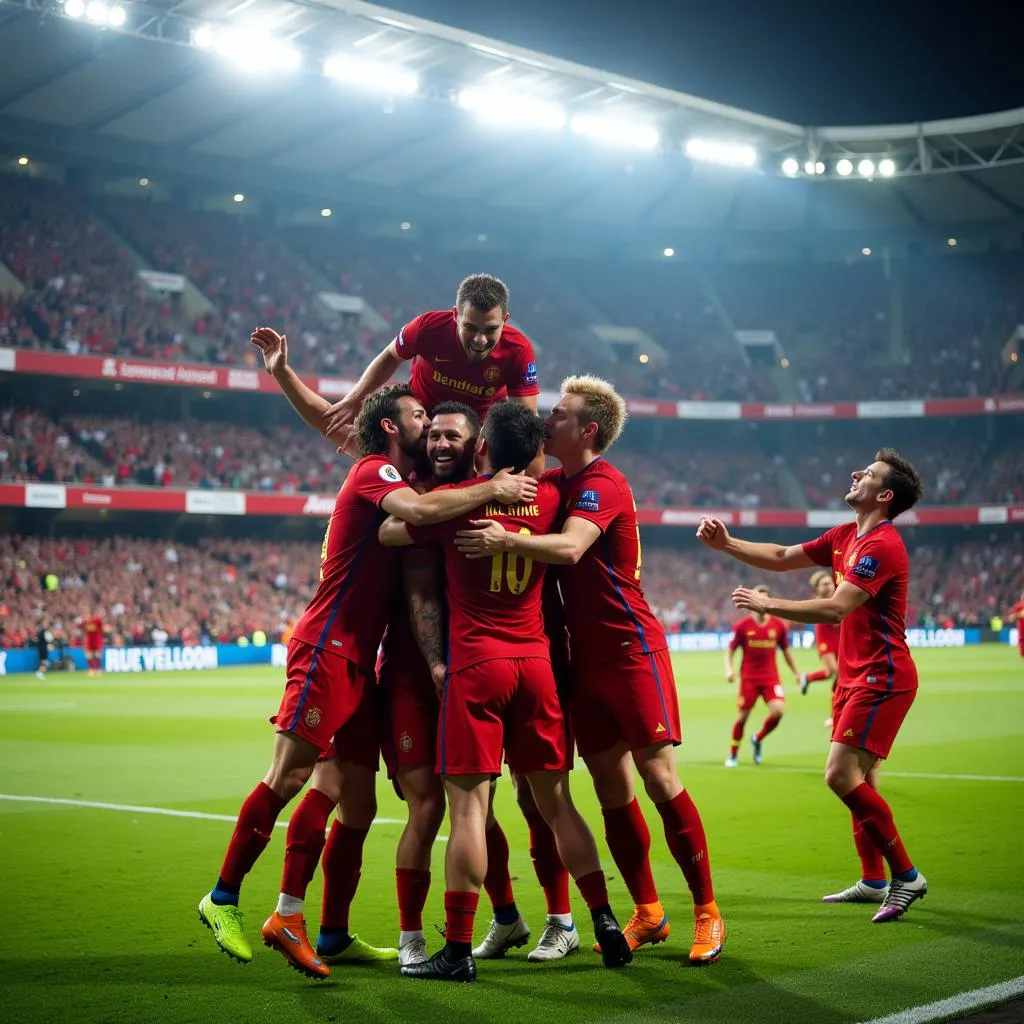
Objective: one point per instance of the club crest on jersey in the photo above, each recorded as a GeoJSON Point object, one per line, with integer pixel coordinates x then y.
{"type": "Point", "coordinates": [589, 501]}
{"type": "Point", "coordinates": [313, 716]}
{"type": "Point", "coordinates": [530, 377]}
{"type": "Point", "coordinates": [866, 568]}
{"type": "Point", "coordinates": [405, 742]}
{"type": "Point", "coordinates": [389, 474]}
{"type": "Point", "coordinates": [491, 374]}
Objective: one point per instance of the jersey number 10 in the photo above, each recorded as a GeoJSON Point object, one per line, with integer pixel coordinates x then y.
{"type": "Point", "coordinates": [505, 568]}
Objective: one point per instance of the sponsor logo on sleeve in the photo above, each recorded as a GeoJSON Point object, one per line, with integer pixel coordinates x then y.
{"type": "Point", "coordinates": [588, 501]}
{"type": "Point", "coordinates": [389, 474]}
{"type": "Point", "coordinates": [530, 377]}
{"type": "Point", "coordinates": [866, 568]}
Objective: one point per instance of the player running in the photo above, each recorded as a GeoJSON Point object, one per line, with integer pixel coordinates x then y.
{"type": "Point", "coordinates": [759, 636]}
{"type": "Point", "coordinates": [499, 692]}
{"type": "Point", "coordinates": [877, 676]}
{"type": "Point", "coordinates": [826, 639]}
{"type": "Point", "coordinates": [625, 709]}
{"type": "Point", "coordinates": [93, 628]}
{"type": "Point", "coordinates": [469, 354]}
{"type": "Point", "coordinates": [1017, 612]}
{"type": "Point", "coordinates": [329, 699]}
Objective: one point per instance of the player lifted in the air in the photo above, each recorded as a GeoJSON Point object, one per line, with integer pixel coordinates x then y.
{"type": "Point", "coordinates": [826, 640]}
{"type": "Point", "coordinates": [877, 676]}
{"type": "Point", "coordinates": [759, 637]}
{"type": "Point", "coordinates": [468, 354]}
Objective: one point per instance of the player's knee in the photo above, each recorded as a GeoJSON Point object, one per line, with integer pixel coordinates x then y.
{"type": "Point", "coordinates": [287, 782]}
{"type": "Point", "coordinates": [524, 797]}
{"type": "Point", "coordinates": [837, 778]}
{"type": "Point", "coordinates": [426, 812]}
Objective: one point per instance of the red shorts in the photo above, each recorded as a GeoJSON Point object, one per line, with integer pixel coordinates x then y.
{"type": "Point", "coordinates": [409, 710]}
{"type": "Point", "coordinates": [766, 689]}
{"type": "Point", "coordinates": [867, 718]}
{"type": "Point", "coordinates": [632, 699]}
{"type": "Point", "coordinates": [330, 702]}
{"type": "Point", "coordinates": [505, 702]}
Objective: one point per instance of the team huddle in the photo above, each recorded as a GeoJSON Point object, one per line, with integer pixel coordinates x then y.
{"type": "Point", "coordinates": [475, 609]}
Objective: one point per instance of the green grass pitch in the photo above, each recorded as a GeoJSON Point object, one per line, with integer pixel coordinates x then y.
{"type": "Point", "coordinates": [100, 903]}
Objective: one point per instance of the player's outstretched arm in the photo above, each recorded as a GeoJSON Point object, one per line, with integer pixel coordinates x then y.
{"type": "Point", "coordinates": [530, 401]}
{"type": "Point", "coordinates": [488, 537]}
{"type": "Point", "coordinates": [304, 400]}
{"type": "Point", "coordinates": [394, 533]}
{"type": "Point", "coordinates": [505, 488]}
{"type": "Point", "coordinates": [830, 609]}
{"type": "Point", "coordinates": [340, 418]}
{"type": "Point", "coordinates": [422, 580]}
{"type": "Point", "coordinates": [730, 672]}
{"type": "Point", "coordinates": [773, 557]}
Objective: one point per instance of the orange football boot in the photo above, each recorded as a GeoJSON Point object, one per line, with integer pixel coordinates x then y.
{"type": "Point", "coordinates": [708, 934]}
{"type": "Point", "coordinates": [648, 926]}
{"type": "Point", "coordinates": [288, 936]}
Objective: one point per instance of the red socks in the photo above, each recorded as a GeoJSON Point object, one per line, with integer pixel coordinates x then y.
{"type": "Point", "coordinates": [497, 882]}
{"type": "Point", "coordinates": [629, 841]}
{"type": "Point", "coordinates": [769, 726]}
{"type": "Point", "coordinates": [459, 912]}
{"type": "Point", "coordinates": [594, 889]}
{"type": "Point", "coordinates": [874, 816]}
{"type": "Point", "coordinates": [818, 677]}
{"type": "Point", "coordinates": [252, 833]}
{"type": "Point", "coordinates": [737, 735]}
{"type": "Point", "coordinates": [547, 865]}
{"type": "Point", "coordinates": [343, 859]}
{"type": "Point", "coordinates": [872, 863]}
{"type": "Point", "coordinates": [413, 887]}
{"type": "Point", "coordinates": [684, 833]}
{"type": "Point", "coordinates": [305, 842]}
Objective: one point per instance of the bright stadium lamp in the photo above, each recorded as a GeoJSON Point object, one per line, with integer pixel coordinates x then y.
{"type": "Point", "coordinates": [251, 50]}
{"type": "Point", "coordinates": [866, 168]}
{"type": "Point", "coordinates": [725, 153]}
{"type": "Point", "coordinates": [116, 16]}
{"type": "Point", "coordinates": [615, 131]}
{"type": "Point", "coordinates": [819, 167]}
{"type": "Point", "coordinates": [810, 169]}
{"type": "Point", "coordinates": [790, 167]}
{"type": "Point", "coordinates": [844, 168]}
{"type": "Point", "coordinates": [203, 38]}
{"type": "Point", "coordinates": [74, 8]}
{"type": "Point", "coordinates": [503, 108]}
{"type": "Point", "coordinates": [887, 167]}
{"type": "Point", "coordinates": [96, 12]}
{"type": "Point", "coordinates": [372, 75]}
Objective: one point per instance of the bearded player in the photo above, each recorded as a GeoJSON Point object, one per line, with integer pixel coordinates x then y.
{"type": "Point", "coordinates": [625, 710]}
{"type": "Point", "coordinates": [468, 354]}
{"type": "Point", "coordinates": [759, 637]}
{"type": "Point", "coordinates": [826, 640]}
{"type": "Point", "coordinates": [877, 677]}
{"type": "Point", "coordinates": [329, 699]}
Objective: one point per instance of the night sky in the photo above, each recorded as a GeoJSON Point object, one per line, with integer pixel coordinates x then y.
{"type": "Point", "coordinates": [813, 63]}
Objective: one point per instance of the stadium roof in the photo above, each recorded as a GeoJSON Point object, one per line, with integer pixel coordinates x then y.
{"type": "Point", "coordinates": [143, 95]}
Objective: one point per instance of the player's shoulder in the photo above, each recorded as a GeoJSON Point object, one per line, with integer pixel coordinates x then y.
{"type": "Point", "coordinates": [372, 467]}
{"type": "Point", "coordinates": [434, 320]}
{"type": "Point", "coordinates": [513, 338]}
{"type": "Point", "coordinates": [424, 327]}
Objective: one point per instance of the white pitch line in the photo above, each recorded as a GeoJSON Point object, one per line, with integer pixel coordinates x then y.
{"type": "Point", "coordinates": [66, 706]}
{"type": "Point", "coordinates": [166, 812]}
{"type": "Point", "coordinates": [954, 1006]}
{"type": "Point", "coordinates": [886, 774]}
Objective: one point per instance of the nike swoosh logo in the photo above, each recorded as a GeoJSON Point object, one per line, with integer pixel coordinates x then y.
{"type": "Point", "coordinates": [291, 938]}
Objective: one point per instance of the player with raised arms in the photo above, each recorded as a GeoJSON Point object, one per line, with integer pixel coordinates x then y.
{"type": "Point", "coordinates": [877, 680]}
{"type": "Point", "coordinates": [623, 700]}
{"type": "Point", "coordinates": [329, 701]}
{"type": "Point", "coordinates": [759, 637]}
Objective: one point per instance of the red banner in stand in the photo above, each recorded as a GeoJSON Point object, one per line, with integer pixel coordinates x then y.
{"type": "Point", "coordinates": [225, 502]}
{"type": "Point", "coordinates": [240, 378]}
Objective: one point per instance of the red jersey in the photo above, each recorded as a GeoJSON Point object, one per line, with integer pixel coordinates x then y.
{"type": "Point", "coordinates": [494, 605]}
{"type": "Point", "coordinates": [350, 607]}
{"type": "Point", "coordinates": [759, 643]}
{"type": "Point", "coordinates": [606, 612]}
{"type": "Point", "coordinates": [1017, 611]}
{"type": "Point", "coordinates": [826, 637]}
{"type": "Point", "coordinates": [93, 632]}
{"type": "Point", "coordinates": [873, 648]}
{"type": "Point", "coordinates": [441, 370]}
{"type": "Point", "coordinates": [400, 654]}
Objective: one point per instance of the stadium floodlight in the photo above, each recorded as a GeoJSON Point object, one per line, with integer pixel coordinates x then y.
{"type": "Point", "coordinates": [790, 167]}
{"type": "Point", "coordinates": [239, 197]}
{"type": "Point", "coordinates": [23, 161]}
{"type": "Point", "coordinates": [809, 169]}
{"type": "Point", "coordinates": [866, 168]}
{"type": "Point", "coordinates": [116, 16]}
{"type": "Point", "coordinates": [203, 38]}
{"type": "Point", "coordinates": [819, 167]}
{"type": "Point", "coordinates": [96, 12]}
{"type": "Point", "coordinates": [326, 212]}
{"type": "Point", "coordinates": [887, 167]}
{"type": "Point", "coordinates": [844, 168]}
{"type": "Point", "coordinates": [372, 75]}
{"type": "Point", "coordinates": [866, 251]}
{"type": "Point", "coordinates": [254, 50]}
{"type": "Point", "coordinates": [668, 252]}
{"type": "Point", "coordinates": [727, 154]}
{"type": "Point", "coordinates": [74, 8]}
{"type": "Point", "coordinates": [503, 108]}
{"type": "Point", "coordinates": [950, 242]}
{"type": "Point", "coordinates": [615, 131]}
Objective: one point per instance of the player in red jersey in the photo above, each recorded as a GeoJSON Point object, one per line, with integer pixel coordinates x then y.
{"type": "Point", "coordinates": [624, 704]}
{"type": "Point", "coordinates": [329, 700]}
{"type": "Point", "coordinates": [93, 627]}
{"type": "Point", "coordinates": [469, 354]}
{"type": "Point", "coordinates": [826, 640]}
{"type": "Point", "coordinates": [1017, 612]}
{"type": "Point", "coordinates": [409, 702]}
{"type": "Point", "coordinates": [877, 676]}
{"type": "Point", "coordinates": [499, 693]}
{"type": "Point", "coordinates": [759, 636]}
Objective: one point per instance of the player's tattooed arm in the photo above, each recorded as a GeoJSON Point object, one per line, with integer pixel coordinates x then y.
{"type": "Point", "coordinates": [421, 577]}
